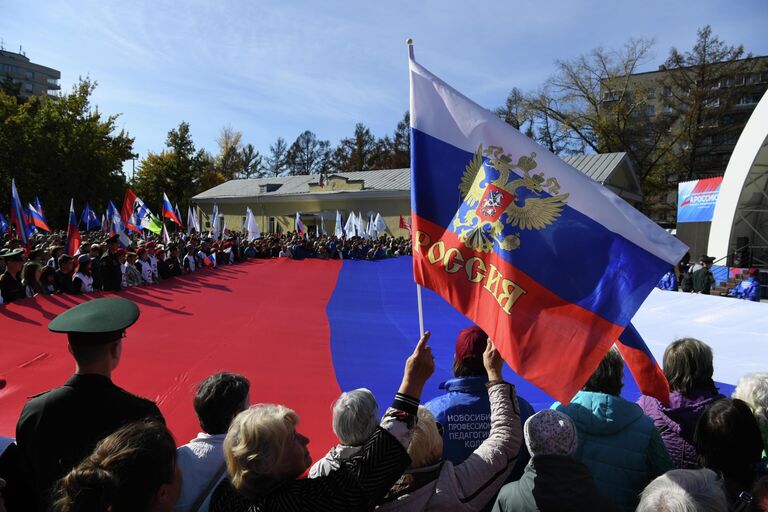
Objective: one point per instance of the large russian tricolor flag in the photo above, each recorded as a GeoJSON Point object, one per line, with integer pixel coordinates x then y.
{"type": "Point", "coordinates": [547, 261]}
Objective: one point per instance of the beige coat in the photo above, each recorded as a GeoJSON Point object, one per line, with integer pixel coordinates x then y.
{"type": "Point", "coordinates": [472, 484]}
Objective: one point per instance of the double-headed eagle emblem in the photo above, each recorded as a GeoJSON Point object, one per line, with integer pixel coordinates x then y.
{"type": "Point", "coordinates": [498, 205]}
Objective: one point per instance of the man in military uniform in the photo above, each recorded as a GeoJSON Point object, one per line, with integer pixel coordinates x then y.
{"type": "Point", "coordinates": [109, 267]}
{"type": "Point", "coordinates": [59, 428]}
{"type": "Point", "coordinates": [703, 278]}
{"type": "Point", "coordinates": [10, 282]}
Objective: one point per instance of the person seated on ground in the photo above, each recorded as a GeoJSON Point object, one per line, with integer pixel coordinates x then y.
{"type": "Point", "coordinates": [699, 490]}
{"type": "Point", "coordinates": [617, 442]}
{"type": "Point", "coordinates": [62, 281]}
{"type": "Point", "coordinates": [82, 281]}
{"type": "Point", "coordinates": [465, 411]}
{"type": "Point", "coordinates": [131, 470]}
{"type": "Point", "coordinates": [163, 270]}
{"type": "Point", "coordinates": [56, 252]}
{"type": "Point", "coordinates": [752, 389]}
{"type": "Point", "coordinates": [355, 418]}
{"type": "Point", "coordinates": [728, 441]}
{"type": "Point", "coordinates": [554, 481]}
{"type": "Point", "coordinates": [30, 279]}
{"type": "Point", "coordinates": [59, 428]}
{"type": "Point", "coordinates": [218, 399]}
{"type": "Point", "coordinates": [749, 288]}
{"type": "Point", "coordinates": [190, 260]}
{"type": "Point", "coordinates": [144, 266]}
{"type": "Point", "coordinates": [48, 280]}
{"type": "Point", "coordinates": [132, 273]}
{"type": "Point", "coordinates": [688, 368]}
{"type": "Point", "coordinates": [173, 262]}
{"type": "Point", "coordinates": [11, 288]}
{"type": "Point", "coordinates": [668, 281]}
{"type": "Point", "coordinates": [265, 455]}
{"type": "Point", "coordinates": [433, 483]}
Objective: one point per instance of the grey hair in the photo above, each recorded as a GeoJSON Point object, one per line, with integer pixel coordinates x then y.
{"type": "Point", "coordinates": [684, 490]}
{"type": "Point", "coordinates": [752, 388]}
{"type": "Point", "coordinates": [355, 416]}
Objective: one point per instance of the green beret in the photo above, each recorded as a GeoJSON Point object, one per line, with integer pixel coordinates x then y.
{"type": "Point", "coordinates": [97, 316]}
{"type": "Point", "coordinates": [11, 253]}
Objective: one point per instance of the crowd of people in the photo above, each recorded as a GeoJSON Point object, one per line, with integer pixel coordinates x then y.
{"type": "Point", "coordinates": [698, 278]}
{"type": "Point", "coordinates": [103, 263]}
{"type": "Point", "coordinates": [91, 446]}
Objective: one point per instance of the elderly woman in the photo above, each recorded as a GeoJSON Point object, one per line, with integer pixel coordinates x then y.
{"type": "Point", "coordinates": [553, 480]}
{"type": "Point", "coordinates": [685, 489]}
{"type": "Point", "coordinates": [688, 368]}
{"type": "Point", "coordinates": [617, 442]}
{"type": "Point", "coordinates": [432, 483]}
{"type": "Point", "coordinates": [265, 455]}
{"type": "Point", "coordinates": [355, 418]}
{"type": "Point", "coordinates": [752, 389]}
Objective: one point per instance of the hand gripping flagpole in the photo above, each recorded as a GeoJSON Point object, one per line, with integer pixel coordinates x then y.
{"type": "Point", "coordinates": [409, 42]}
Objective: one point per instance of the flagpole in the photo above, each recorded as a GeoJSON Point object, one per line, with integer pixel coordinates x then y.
{"type": "Point", "coordinates": [409, 42]}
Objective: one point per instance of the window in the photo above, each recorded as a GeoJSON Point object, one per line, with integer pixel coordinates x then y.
{"type": "Point", "coordinates": [667, 91]}
{"type": "Point", "coordinates": [610, 96]}
{"type": "Point", "coordinates": [706, 141]}
{"type": "Point", "coordinates": [7, 69]}
{"type": "Point", "coordinates": [651, 94]}
{"type": "Point", "coordinates": [29, 75]}
{"type": "Point", "coordinates": [729, 138]}
{"type": "Point", "coordinates": [650, 110]}
{"type": "Point", "coordinates": [713, 103]}
{"type": "Point", "coordinates": [28, 87]}
{"type": "Point", "coordinates": [667, 108]}
{"type": "Point", "coordinates": [272, 225]}
{"type": "Point", "coordinates": [749, 99]}
{"type": "Point", "coordinates": [208, 224]}
{"type": "Point", "coordinates": [52, 81]}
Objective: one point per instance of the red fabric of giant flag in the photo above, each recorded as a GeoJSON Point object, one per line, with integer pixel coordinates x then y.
{"type": "Point", "coordinates": [547, 261]}
{"type": "Point", "coordinates": [73, 234]}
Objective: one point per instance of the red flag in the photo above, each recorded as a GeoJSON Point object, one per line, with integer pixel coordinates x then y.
{"type": "Point", "coordinates": [73, 234]}
{"type": "Point", "coordinates": [126, 214]}
{"type": "Point", "coordinates": [404, 224]}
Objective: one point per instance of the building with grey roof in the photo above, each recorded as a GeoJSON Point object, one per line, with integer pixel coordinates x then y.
{"type": "Point", "coordinates": [275, 201]}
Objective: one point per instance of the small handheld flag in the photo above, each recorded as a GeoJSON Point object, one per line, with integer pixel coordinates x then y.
{"type": "Point", "coordinates": [37, 219]}
{"type": "Point", "coordinates": [18, 215]}
{"type": "Point", "coordinates": [169, 212]}
{"type": "Point", "coordinates": [300, 229]}
{"type": "Point", "coordinates": [3, 224]}
{"type": "Point", "coordinates": [339, 229]}
{"type": "Point", "coordinates": [89, 218]}
{"type": "Point", "coordinates": [404, 224]}
{"type": "Point", "coordinates": [73, 234]}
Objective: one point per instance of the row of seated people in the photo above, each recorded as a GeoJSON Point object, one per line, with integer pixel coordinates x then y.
{"type": "Point", "coordinates": [702, 451]}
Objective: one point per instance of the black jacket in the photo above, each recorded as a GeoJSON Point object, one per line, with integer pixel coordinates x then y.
{"type": "Point", "coordinates": [59, 428]}
{"type": "Point", "coordinates": [11, 288]}
{"type": "Point", "coordinates": [110, 274]}
{"type": "Point", "coordinates": [358, 484]}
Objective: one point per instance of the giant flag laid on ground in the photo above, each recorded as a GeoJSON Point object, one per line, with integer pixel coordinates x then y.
{"type": "Point", "coordinates": [550, 263]}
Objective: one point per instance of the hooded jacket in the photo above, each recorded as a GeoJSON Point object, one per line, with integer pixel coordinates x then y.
{"type": "Point", "coordinates": [553, 483]}
{"type": "Point", "coordinates": [676, 422]}
{"type": "Point", "coordinates": [618, 443]}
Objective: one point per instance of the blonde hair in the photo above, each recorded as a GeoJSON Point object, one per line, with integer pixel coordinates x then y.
{"type": "Point", "coordinates": [254, 446]}
{"type": "Point", "coordinates": [426, 446]}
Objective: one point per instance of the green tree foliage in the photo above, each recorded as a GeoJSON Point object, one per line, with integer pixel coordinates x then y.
{"type": "Point", "coordinates": [277, 163]}
{"type": "Point", "coordinates": [307, 154]}
{"type": "Point", "coordinates": [395, 152]}
{"type": "Point", "coordinates": [180, 170]}
{"type": "Point", "coordinates": [361, 152]}
{"type": "Point", "coordinates": [229, 161]}
{"type": "Point", "coordinates": [252, 163]}
{"type": "Point", "coordinates": [702, 90]}
{"type": "Point", "coordinates": [61, 148]}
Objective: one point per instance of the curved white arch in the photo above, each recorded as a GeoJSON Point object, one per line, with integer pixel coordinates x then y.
{"type": "Point", "coordinates": [742, 206]}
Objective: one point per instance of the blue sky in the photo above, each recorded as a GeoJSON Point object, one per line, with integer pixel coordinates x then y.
{"type": "Point", "coordinates": [276, 68]}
